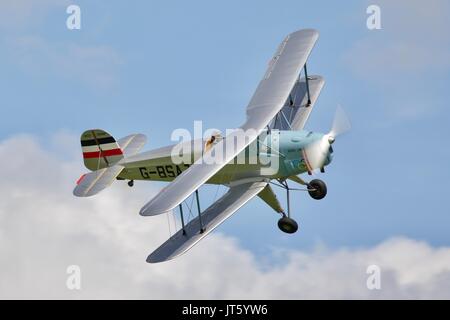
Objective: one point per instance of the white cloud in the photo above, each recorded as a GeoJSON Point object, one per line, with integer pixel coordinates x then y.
{"type": "Point", "coordinates": [43, 229]}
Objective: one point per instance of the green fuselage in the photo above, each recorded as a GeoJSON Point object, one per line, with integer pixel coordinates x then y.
{"type": "Point", "coordinates": [276, 155]}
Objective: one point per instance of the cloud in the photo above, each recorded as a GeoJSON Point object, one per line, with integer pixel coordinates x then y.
{"type": "Point", "coordinates": [44, 229]}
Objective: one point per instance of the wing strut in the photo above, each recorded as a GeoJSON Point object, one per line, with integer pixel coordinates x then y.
{"type": "Point", "coordinates": [307, 85]}
{"type": "Point", "coordinates": [199, 215]}
{"type": "Point", "coordinates": [182, 218]}
{"type": "Point", "coordinates": [199, 212]}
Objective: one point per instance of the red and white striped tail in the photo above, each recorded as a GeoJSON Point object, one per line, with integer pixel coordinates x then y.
{"type": "Point", "coordinates": [100, 149]}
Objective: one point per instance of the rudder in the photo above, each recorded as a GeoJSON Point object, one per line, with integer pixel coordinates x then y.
{"type": "Point", "coordinates": [100, 149]}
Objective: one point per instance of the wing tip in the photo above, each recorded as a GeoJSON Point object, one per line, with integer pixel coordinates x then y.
{"type": "Point", "coordinates": [153, 260]}
{"type": "Point", "coordinates": [78, 192]}
{"type": "Point", "coordinates": [316, 77]}
{"type": "Point", "coordinates": [309, 31]}
{"type": "Point", "coordinates": [156, 257]}
{"type": "Point", "coordinates": [148, 211]}
{"type": "Point", "coordinates": [145, 212]}
{"type": "Point", "coordinates": [142, 212]}
{"type": "Point", "coordinates": [81, 194]}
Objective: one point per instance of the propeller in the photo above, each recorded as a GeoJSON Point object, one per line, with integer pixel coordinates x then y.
{"type": "Point", "coordinates": [341, 123]}
{"type": "Point", "coordinates": [315, 154]}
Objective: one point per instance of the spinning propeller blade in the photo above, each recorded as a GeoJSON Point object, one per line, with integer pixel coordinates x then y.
{"type": "Point", "coordinates": [341, 123]}
{"type": "Point", "coordinates": [316, 154]}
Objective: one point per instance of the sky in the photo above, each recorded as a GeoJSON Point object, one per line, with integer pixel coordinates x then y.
{"type": "Point", "coordinates": [157, 66]}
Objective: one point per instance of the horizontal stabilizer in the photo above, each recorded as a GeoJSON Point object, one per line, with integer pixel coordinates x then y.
{"type": "Point", "coordinates": [94, 182]}
{"type": "Point", "coordinates": [212, 217]}
{"type": "Point", "coordinates": [131, 144]}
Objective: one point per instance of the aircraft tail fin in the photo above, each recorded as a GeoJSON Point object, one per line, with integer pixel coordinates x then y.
{"type": "Point", "coordinates": [102, 155]}
{"type": "Point", "coordinates": [100, 149]}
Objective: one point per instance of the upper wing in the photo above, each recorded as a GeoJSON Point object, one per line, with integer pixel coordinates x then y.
{"type": "Point", "coordinates": [223, 208]}
{"type": "Point", "coordinates": [131, 144]}
{"type": "Point", "coordinates": [296, 110]}
{"type": "Point", "coordinates": [267, 101]}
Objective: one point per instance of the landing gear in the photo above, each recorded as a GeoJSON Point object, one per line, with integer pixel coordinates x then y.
{"type": "Point", "coordinates": [317, 189]}
{"type": "Point", "coordinates": [287, 225]}
{"type": "Point", "coordinates": [131, 183]}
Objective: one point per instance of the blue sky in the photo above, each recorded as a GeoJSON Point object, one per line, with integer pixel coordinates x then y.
{"type": "Point", "coordinates": [157, 66]}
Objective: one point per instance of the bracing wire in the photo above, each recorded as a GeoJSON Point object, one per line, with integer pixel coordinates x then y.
{"type": "Point", "coordinates": [174, 220]}
{"type": "Point", "coordinates": [217, 191]}
{"type": "Point", "coordinates": [168, 223]}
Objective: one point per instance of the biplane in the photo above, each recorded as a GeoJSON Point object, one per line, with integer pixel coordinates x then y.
{"type": "Point", "coordinates": [272, 133]}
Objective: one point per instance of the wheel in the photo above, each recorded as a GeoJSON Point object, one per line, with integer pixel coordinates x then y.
{"type": "Point", "coordinates": [131, 183]}
{"type": "Point", "coordinates": [317, 189]}
{"type": "Point", "coordinates": [287, 225]}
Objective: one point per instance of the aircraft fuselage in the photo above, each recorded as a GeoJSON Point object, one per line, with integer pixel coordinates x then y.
{"type": "Point", "coordinates": [278, 154]}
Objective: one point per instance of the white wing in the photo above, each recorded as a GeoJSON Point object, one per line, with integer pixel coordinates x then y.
{"type": "Point", "coordinates": [267, 101]}
{"type": "Point", "coordinates": [212, 217]}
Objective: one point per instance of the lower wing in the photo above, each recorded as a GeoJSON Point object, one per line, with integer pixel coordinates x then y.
{"type": "Point", "coordinates": [219, 211]}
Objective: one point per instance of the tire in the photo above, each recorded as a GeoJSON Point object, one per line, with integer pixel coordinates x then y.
{"type": "Point", "coordinates": [319, 189]}
{"type": "Point", "coordinates": [287, 225]}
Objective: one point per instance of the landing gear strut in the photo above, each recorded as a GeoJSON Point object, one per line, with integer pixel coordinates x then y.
{"type": "Point", "coordinates": [286, 223]}
{"type": "Point", "coordinates": [131, 183]}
